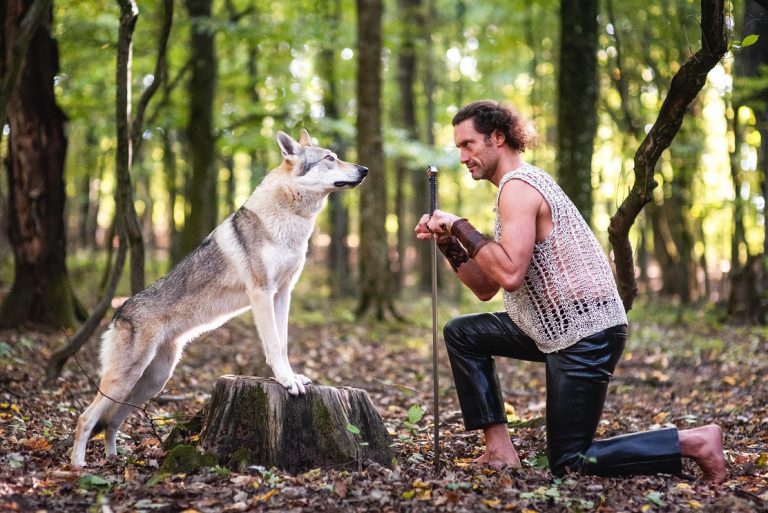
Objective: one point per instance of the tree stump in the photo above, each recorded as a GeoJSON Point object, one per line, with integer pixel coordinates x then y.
{"type": "Point", "coordinates": [255, 421]}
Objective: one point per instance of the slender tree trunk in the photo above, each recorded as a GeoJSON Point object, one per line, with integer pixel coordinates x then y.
{"type": "Point", "coordinates": [406, 170]}
{"type": "Point", "coordinates": [338, 258]}
{"type": "Point", "coordinates": [37, 145]}
{"type": "Point", "coordinates": [685, 86]}
{"type": "Point", "coordinates": [685, 158]}
{"type": "Point", "coordinates": [129, 14]}
{"type": "Point", "coordinates": [664, 248]}
{"type": "Point", "coordinates": [419, 183]}
{"type": "Point", "coordinates": [578, 88]}
{"type": "Point", "coordinates": [739, 248]}
{"type": "Point", "coordinates": [125, 213]}
{"type": "Point", "coordinates": [200, 130]}
{"type": "Point", "coordinates": [375, 275]}
{"type": "Point", "coordinates": [169, 164]}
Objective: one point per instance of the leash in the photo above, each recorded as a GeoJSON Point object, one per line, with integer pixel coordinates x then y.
{"type": "Point", "coordinates": [432, 177]}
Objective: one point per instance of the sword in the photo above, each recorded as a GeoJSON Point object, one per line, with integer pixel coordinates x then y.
{"type": "Point", "coordinates": [432, 176]}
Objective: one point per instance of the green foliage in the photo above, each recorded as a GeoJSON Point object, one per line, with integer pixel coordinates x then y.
{"type": "Point", "coordinates": [271, 77]}
{"type": "Point", "coordinates": [184, 459]}
{"type": "Point", "coordinates": [655, 497]}
{"type": "Point", "coordinates": [747, 41]}
{"type": "Point", "coordinates": [415, 414]}
{"type": "Point", "coordinates": [92, 482]}
{"type": "Point", "coordinates": [538, 461]}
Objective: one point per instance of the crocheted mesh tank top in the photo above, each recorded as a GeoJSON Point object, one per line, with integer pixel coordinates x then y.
{"type": "Point", "coordinates": [569, 291]}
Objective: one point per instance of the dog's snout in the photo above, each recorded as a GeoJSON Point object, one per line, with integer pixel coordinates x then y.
{"type": "Point", "coordinates": [363, 171]}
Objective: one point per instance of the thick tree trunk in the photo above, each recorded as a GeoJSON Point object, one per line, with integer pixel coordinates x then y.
{"type": "Point", "coordinates": [578, 88]}
{"type": "Point", "coordinates": [375, 275]}
{"type": "Point", "coordinates": [748, 65]}
{"type": "Point", "coordinates": [203, 198]}
{"type": "Point", "coordinates": [254, 421]}
{"type": "Point", "coordinates": [41, 291]}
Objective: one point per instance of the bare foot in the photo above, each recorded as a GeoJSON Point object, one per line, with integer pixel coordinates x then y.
{"type": "Point", "coordinates": [705, 445]}
{"type": "Point", "coordinates": [495, 460]}
{"type": "Point", "coordinates": [499, 451]}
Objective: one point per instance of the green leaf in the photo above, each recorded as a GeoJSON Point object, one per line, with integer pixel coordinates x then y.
{"type": "Point", "coordinates": [539, 461]}
{"type": "Point", "coordinates": [353, 429]}
{"type": "Point", "coordinates": [158, 478]}
{"type": "Point", "coordinates": [94, 482]}
{"type": "Point", "coordinates": [415, 414]}
{"type": "Point", "coordinates": [654, 497]}
{"type": "Point", "coordinates": [750, 40]}
{"type": "Point", "coordinates": [218, 469]}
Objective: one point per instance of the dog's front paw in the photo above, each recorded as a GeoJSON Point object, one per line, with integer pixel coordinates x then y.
{"type": "Point", "coordinates": [293, 383]}
{"type": "Point", "coordinates": [304, 380]}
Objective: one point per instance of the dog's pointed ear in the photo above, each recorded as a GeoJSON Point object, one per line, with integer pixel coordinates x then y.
{"type": "Point", "coordinates": [288, 146]}
{"type": "Point", "coordinates": [304, 139]}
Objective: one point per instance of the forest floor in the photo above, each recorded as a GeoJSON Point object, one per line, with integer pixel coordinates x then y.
{"type": "Point", "coordinates": [681, 367]}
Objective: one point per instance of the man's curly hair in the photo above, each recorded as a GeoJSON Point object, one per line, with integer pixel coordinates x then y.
{"type": "Point", "coordinates": [489, 116]}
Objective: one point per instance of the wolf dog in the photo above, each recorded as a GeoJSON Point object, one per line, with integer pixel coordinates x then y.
{"type": "Point", "coordinates": [251, 260]}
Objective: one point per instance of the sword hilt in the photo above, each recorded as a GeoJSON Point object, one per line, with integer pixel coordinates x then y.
{"type": "Point", "coordinates": [432, 176]}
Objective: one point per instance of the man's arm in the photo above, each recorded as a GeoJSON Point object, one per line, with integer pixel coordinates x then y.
{"type": "Point", "coordinates": [507, 263]}
{"type": "Point", "coordinates": [498, 265]}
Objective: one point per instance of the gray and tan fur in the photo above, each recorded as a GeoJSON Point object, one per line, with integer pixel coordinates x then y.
{"type": "Point", "coordinates": [251, 260]}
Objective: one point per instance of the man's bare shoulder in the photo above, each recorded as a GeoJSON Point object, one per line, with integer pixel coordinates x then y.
{"type": "Point", "coordinates": [517, 193]}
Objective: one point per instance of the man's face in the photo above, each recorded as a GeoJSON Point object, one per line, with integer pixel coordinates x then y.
{"type": "Point", "coordinates": [478, 152]}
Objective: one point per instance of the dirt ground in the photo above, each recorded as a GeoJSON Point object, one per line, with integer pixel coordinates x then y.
{"type": "Point", "coordinates": [683, 370]}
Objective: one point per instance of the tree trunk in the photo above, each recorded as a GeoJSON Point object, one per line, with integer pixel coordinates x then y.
{"type": "Point", "coordinates": [375, 275]}
{"type": "Point", "coordinates": [169, 164]}
{"type": "Point", "coordinates": [41, 291]}
{"type": "Point", "coordinates": [420, 182]}
{"type": "Point", "coordinates": [406, 170]}
{"type": "Point", "coordinates": [748, 65]}
{"type": "Point", "coordinates": [254, 421]}
{"type": "Point", "coordinates": [578, 88]}
{"type": "Point", "coordinates": [202, 197]}
{"type": "Point", "coordinates": [338, 258]}
{"type": "Point", "coordinates": [125, 213]}
{"type": "Point", "coordinates": [685, 86]}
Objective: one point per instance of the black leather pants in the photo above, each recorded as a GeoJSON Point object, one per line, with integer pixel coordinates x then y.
{"type": "Point", "coordinates": [577, 382]}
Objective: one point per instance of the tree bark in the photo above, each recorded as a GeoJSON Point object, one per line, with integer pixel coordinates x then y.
{"type": "Point", "coordinates": [254, 421]}
{"type": "Point", "coordinates": [405, 169]}
{"type": "Point", "coordinates": [578, 88]}
{"type": "Point", "coordinates": [685, 86]}
{"type": "Point", "coordinates": [748, 65]}
{"type": "Point", "coordinates": [200, 132]}
{"type": "Point", "coordinates": [15, 43]}
{"type": "Point", "coordinates": [41, 290]}
{"type": "Point", "coordinates": [125, 212]}
{"type": "Point", "coordinates": [338, 258]}
{"type": "Point", "coordinates": [375, 275]}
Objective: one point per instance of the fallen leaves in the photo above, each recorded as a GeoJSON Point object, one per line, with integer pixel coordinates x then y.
{"type": "Point", "coordinates": [664, 383]}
